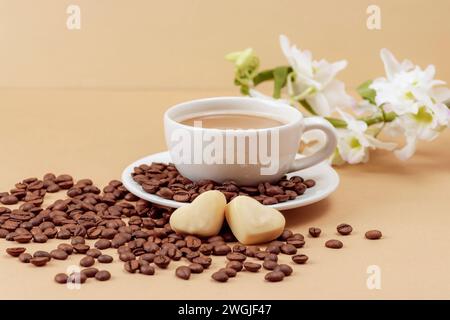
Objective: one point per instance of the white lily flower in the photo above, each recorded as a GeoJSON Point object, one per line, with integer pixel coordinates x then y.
{"type": "Point", "coordinates": [354, 142]}
{"type": "Point", "coordinates": [415, 97]}
{"type": "Point", "coordinates": [314, 81]}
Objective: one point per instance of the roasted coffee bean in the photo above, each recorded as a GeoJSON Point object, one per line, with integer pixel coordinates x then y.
{"type": "Point", "coordinates": [221, 250]}
{"type": "Point", "coordinates": [127, 256]}
{"type": "Point", "coordinates": [81, 248]}
{"type": "Point", "coordinates": [239, 248]}
{"type": "Point", "coordinates": [344, 229]}
{"type": "Point", "coordinates": [204, 261]}
{"type": "Point", "coordinates": [236, 265]}
{"type": "Point", "coordinates": [61, 278]}
{"type": "Point", "coordinates": [300, 258]}
{"type": "Point", "coordinates": [41, 253]}
{"type": "Point", "coordinates": [147, 270]}
{"type": "Point", "coordinates": [273, 249]}
{"type": "Point", "coordinates": [77, 240]}
{"type": "Point", "coordinates": [87, 261]}
{"type": "Point", "coordinates": [236, 256]}
{"type": "Point", "coordinates": [231, 273]}
{"type": "Point", "coordinates": [261, 255]}
{"type": "Point", "coordinates": [220, 276]}
{"type": "Point", "coordinates": [149, 257]}
{"type": "Point", "coordinates": [206, 249]}
{"type": "Point", "coordinates": [63, 234]}
{"type": "Point", "coordinates": [286, 234]}
{"type": "Point", "coordinates": [132, 266]}
{"type": "Point", "coordinates": [193, 243]}
{"type": "Point", "coordinates": [271, 257]}
{"type": "Point", "coordinates": [334, 244]}
{"type": "Point", "coordinates": [196, 268]}
{"type": "Point", "coordinates": [94, 253]}
{"type": "Point", "coordinates": [288, 249]}
{"type": "Point", "coordinates": [39, 261]}
{"type": "Point", "coordinates": [15, 252]}
{"type": "Point", "coordinates": [252, 267]}
{"type": "Point", "coordinates": [102, 244]}
{"type": "Point", "coordinates": [314, 232]}
{"type": "Point", "coordinates": [104, 258]}
{"type": "Point", "coordinates": [183, 272]}
{"type": "Point", "coordinates": [66, 247]}
{"type": "Point", "coordinates": [23, 238]}
{"type": "Point", "coordinates": [77, 277]}
{"type": "Point", "coordinates": [309, 183]}
{"type": "Point", "coordinates": [40, 238]}
{"type": "Point", "coordinates": [296, 243]}
{"type": "Point", "coordinates": [161, 261]}
{"type": "Point", "coordinates": [59, 254]}
{"type": "Point", "coordinates": [25, 257]}
{"type": "Point", "coordinates": [287, 270]}
{"type": "Point", "coordinates": [103, 275]}
{"type": "Point", "coordinates": [89, 272]}
{"type": "Point", "coordinates": [373, 234]}
{"type": "Point", "coordinates": [269, 264]}
{"type": "Point", "coordinates": [9, 200]}
{"type": "Point", "coordinates": [274, 276]}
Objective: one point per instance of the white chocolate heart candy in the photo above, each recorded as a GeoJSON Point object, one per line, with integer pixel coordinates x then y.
{"type": "Point", "coordinates": [203, 217]}
{"type": "Point", "coordinates": [252, 222]}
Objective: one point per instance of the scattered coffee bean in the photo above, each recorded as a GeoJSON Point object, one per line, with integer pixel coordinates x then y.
{"type": "Point", "coordinates": [221, 250]}
{"type": "Point", "coordinates": [87, 261]}
{"type": "Point", "coordinates": [269, 264]}
{"type": "Point", "coordinates": [15, 252]}
{"type": "Point", "coordinates": [287, 270]}
{"type": "Point", "coordinates": [77, 240]}
{"type": "Point", "coordinates": [25, 257]}
{"type": "Point", "coordinates": [314, 232]}
{"type": "Point", "coordinates": [161, 261]}
{"type": "Point", "coordinates": [77, 277]}
{"type": "Point", "coordinates": [271, 257]}
{"type": "Point", "coordinates": [288, 249]}
{"type": "Point", "coordinates": [183, 272]}
{"type": "Point", "coordinates": [196, 268]}
{"type": "Point", "coordinates": [127, 256]}
{"type": "Point", "coordinates": [23, 238]}
{"type": "Point", "coordinates": [230, 272]}
{"type": "Point", "coordinates": [9, 200]}
{"type": "Point", "coordinates": [102, 244]}
{"type": "Point", "coordinates": [236, 265]}
{"type": "Point", "coordinates": [220, 276]}
{"type": "Point", "coordinates": [39, 261]}
{"type": "Point", "coordinates": [274, 276]}
{"type": "Point", "coordinates": [61, 278]}
{"type": "Point", "coordinates": [252, 267]}
{"type": "Point", "coordinates": [205, 262]}
{"type": "Point", "coordinates": [66, 247]}
{"type": "Point", "coordinates": [296, 243]}
{"type": "Point", "coordinates": [235, 256]}
{"type": "Point", "coordinates": [59, 254]}
{"type": "Point", "coordinates": [81, 248]}
{"type": "Point", "coordinates": [132, 266]}
{"type": "Point", "coordinates": [104, 258]}
{"type": "Point", "coordinates": [90, 272]}
{"type": "Point", "coordinates": [103, 275]}
{"type": "Point", "coordinates": [300, 258]}
{"type": "Point", "coordinates": [147, 270]}
{"type": "Point", "coordinates": [373, 234]}
{"type": "Point", "coordinates": [334, 244]}
{"type": "Point", "coordinates": [41, 253]}
{"type": "Point", "coordinates": [94, 253]}
{"type": "Point", "coordinates": [344, 229]}
{"type": "Point", "coordinates": [286, 234]}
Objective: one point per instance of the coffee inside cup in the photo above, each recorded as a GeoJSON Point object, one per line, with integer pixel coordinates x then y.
{"type": "Point", "coordinates": [233, 121]}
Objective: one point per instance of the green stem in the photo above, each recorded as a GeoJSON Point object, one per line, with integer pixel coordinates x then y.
{"type": "Point", "coordinates": [266, 75]}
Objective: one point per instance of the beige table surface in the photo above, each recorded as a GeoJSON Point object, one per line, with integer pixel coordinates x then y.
{"type": "Point", "coordinates": [97, 133]}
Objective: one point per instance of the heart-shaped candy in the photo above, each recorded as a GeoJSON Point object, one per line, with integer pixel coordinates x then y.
{"type": "Point", "coordinates": [251, 222]}
{"type": "Point", "coordinates": [203, 217]}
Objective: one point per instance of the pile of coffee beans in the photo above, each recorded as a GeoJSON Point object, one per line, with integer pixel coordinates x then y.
{"type": "Point", "coordinates": [138, 230]}
{"type": "Point", "coordinates": [165, 181]}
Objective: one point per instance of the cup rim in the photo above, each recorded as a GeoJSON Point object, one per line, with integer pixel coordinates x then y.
{"type": "Point", "coordinates": [275, 104]}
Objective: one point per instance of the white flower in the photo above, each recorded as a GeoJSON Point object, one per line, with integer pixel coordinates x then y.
{"type": "Point", "coordinates": [354, 142]}
{"type": "Point", "coordinates": [314, 81]}
{"type": "Point", "coordinates": [415, 97]}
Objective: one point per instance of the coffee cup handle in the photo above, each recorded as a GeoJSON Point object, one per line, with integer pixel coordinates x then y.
{"type": "Point", "coordinates": [326, 151]}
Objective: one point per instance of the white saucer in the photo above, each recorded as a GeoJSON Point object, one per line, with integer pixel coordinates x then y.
{"type": "Point", "coordinates": [325, 176]}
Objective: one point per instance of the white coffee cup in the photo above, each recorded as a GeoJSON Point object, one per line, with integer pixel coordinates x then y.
{"type": "Point", "coordinates": [191, 147]}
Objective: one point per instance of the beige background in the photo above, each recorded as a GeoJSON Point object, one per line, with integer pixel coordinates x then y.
{"type": "Point", "coordinates": [89, 102]}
